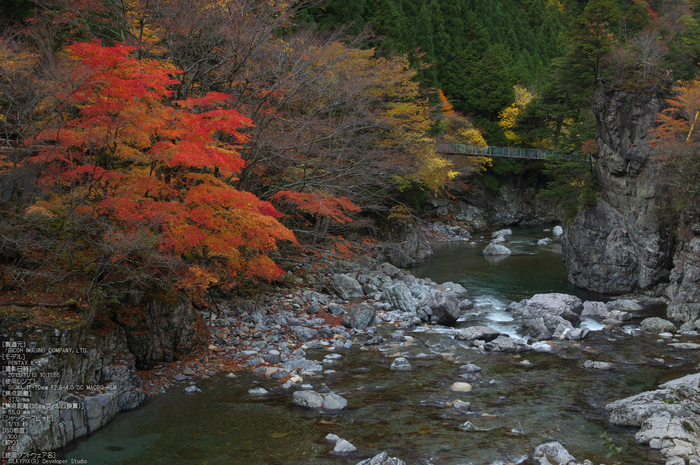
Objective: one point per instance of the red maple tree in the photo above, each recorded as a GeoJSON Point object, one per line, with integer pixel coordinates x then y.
{"type": "Point", "coordinates": [163, 168]}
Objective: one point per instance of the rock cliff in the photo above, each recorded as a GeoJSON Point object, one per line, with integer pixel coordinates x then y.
{"type": "Point", "coordinates": [625, 242]}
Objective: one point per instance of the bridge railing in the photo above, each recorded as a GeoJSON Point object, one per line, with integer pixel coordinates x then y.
{"type": "Point", "coordinates": [505, 152]}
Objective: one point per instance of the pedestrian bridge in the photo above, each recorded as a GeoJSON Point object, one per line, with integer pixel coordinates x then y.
{"type": "Point", "coordinates": [505, 152]}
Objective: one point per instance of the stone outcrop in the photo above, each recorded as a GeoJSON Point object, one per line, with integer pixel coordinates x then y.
{"type": "Point", "coordinates": [668, 417]}
{"type": "Point", "coordinates": [98, 373]}
{"type": "Point", "coordinates": [159, 331]}
{"type": "Point", "coordinates": [684, 289]}
{"type": "Point", "coordinates": [622, 243]}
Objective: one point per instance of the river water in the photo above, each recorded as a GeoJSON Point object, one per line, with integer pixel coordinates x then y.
{"type": "Point", "coordinates": [517, 402]}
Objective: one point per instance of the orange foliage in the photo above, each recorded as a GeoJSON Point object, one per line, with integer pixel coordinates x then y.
{"type": "Point", "coordinates": [131, 155]}
{"type": "Point", "coordinates": [317, 204]}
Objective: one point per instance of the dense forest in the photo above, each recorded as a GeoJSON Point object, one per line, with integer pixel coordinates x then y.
{"type": "Point", "coordinates": [179, 144]}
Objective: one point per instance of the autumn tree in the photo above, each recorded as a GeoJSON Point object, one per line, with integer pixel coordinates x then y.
{"type": "Point", "coordinates": [678, 140]}
{"type": "Point", "coordinates": [130, 163]}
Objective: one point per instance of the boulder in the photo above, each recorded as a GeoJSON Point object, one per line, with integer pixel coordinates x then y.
{"type": "Point", "coordinates": [545, 315]}
{"type": "Point", "coordinates": [388, 269]}
{"type": "Point", "coordinates": [465, 305]}
{"type": "Point", "coordinates": [496, 249]}
{"type": "Point", "coordinates": [624, 305]}
{"type": "Point", "coordinates": [400, 363]}
{"type": "Point", "coordinates": [443, 308]}
{"type": "Point", "coordinates": [595, 309]}
{"type": "Point", "coordinates": [334, 402]}
{"type": "Point", "coordinates": [470, 368]}
{"type": "Point", "coordinates": [474, 333]}
{"type": "Point", "coordinates": [508, 345]}
{"type": "Point", "coordinates": [553, 453]}
{"type": "Point", "coordinates": [457, 289]}
{"type": "Point", "coordinates": [360, 316]}
{"type": "Point", "coordinates": [657, 325]}
{"type": "Point", "coordinates": [557, 230]}
{"type": "Point", "coordinates": [399, 296]}
{"type": "Point", "coordinates": [668, 417]}
{"type": "Point", "coordinates": [502, 232]}
{"type": "Point", "coordinates": [545, 241]}
{"type": "Point", "coordinates": [308, 399]}
{"type": "Point", "coordinates": [346, 287]}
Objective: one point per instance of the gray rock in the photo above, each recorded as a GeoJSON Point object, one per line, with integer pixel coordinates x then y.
{"type": "Point", "coordinates": [545, 241]}
{"type": "Point", "coordinates": [194, 389]}
{"type": "Point", "coordinates": [398, 336]}
{"type": "Point", "coordinates": [496, 249]}
{"type": "Point", "coordinates": [469, 368]}
{"type": "Point", "coordinates": [389, 269]}
{"type": "Point", "coordinates": [304, 333]}
{"type": "Point", "coordinates": [457, 289]}
{"type": "Point", "coordinates": [557, 231]}
{"type": "Point", "coordinates": [336, 309]}
{"type": "Point", "coordinates": [346, 287]}
{"type": "Point", "coordinates": [382, 459]}
{"type": "Point", "coordinates": [657, 325]}
{"type": "Point", "coordinates": [473, 333]}
{"type": "Point", "coordinates": [545, 315]}
{"type": "Point", "coordinates": [360, 316]}
{"type": "Point", "coordinates": [622, 243]}
{"type": "Point", "coordinates": [308, 399]}
{"type": "Point", "coordinates": [624, 305]}
{"type": "Point", "coordinates": [343, 447]}
{"type": "Point", "coordinates": [303, 366]}
{"type": "Point", "coordinates": [333, 402]}
{"type": "Point", "coordinates": [502, 232]}
{"type": "Point", "coordinates": [400, 363]}
{"type": "Point", "coordinates": [507, 345]}
{"type": "Point", "coordinates": [596, 365]}
{"type": "Point", "coordinates": [399, 296]}
{"type": "Point", "coordinates": [554, 451]}
{"type": "Point", "coordinates": [595, 309]}
{"type": "Point", "coordinates": [465, 305]}
{"type": "Point", "coordinates": [443, 308]}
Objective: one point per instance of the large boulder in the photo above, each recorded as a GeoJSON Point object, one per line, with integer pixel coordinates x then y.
{"type": "Point", "coordinates": [346, 287]}
{"type": "Point", "coordinates": [668, 417]}
{"type": "Point", "coordinates": [595, 309]}
{"type": "Point", "coordinates": [360, 316]}
{"type": "Point", "coordinates": [657, 325]}
{"type": "Point", "coordinates": [439, 307]}
{"type": "Point", "coordinates": [399, 296]}
{"type": "Point", "coordinates": [545, 315]}
{"type": "Point", "coordinates": [496, 249]}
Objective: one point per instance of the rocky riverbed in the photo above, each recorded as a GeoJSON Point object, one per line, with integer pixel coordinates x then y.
{"type": "Point", "coordinates": [301, 343]}
{"type": "Point", "coordinates": [372, 358]}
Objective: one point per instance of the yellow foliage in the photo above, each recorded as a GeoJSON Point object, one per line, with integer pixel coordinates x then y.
{"type": "Point", "coordinates": [509, 116]}
{"type": "Point", "coordinates": [472, 136]}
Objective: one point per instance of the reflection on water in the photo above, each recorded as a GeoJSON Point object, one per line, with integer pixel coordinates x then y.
{"type": "Point", "coordinates": [521, 405]}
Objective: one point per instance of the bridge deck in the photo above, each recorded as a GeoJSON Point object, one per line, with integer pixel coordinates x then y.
{"type": "Point", "coordinates": [504, 152]}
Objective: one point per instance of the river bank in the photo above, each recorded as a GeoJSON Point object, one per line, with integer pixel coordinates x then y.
{"type": "Point", "coordinates": [357, 364]}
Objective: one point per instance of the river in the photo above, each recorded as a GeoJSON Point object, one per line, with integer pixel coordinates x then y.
{"type": "Point", "coordinates": [517, 401]}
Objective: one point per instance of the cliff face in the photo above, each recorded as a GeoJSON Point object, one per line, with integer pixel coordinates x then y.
{"type": "Point", "coordinates": [684, 288]}
{"type": "Point", "coordinates": [623, 243]}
